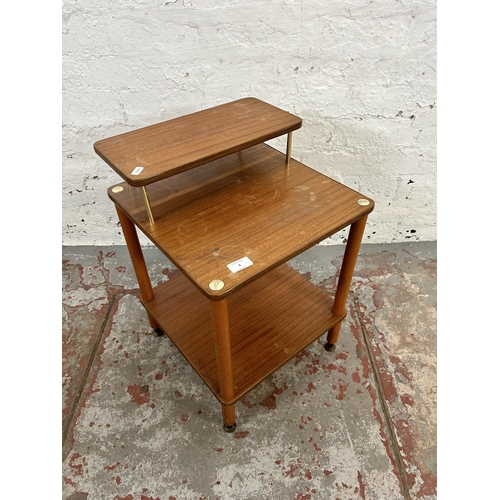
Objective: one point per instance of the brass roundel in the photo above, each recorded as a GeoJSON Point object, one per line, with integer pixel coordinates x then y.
{"type": "Point", "coordinates": [117, 189]}
{"type": "Point", "coordinates": [363, 202]}
{"type": "Point", "coordinates": [216, 285]}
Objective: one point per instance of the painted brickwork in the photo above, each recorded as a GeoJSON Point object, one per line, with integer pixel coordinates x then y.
{"type": "Point", "coordinates": [361, 74]}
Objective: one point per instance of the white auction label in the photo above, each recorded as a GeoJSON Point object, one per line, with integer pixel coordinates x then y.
{"type": "Point", "coordinates": [137, 170]}
{"type": "Point", "coordinates": [240, 264]}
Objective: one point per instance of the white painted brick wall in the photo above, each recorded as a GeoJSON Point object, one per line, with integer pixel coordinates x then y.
{"type": "Point", "coordinates": [360, 73]}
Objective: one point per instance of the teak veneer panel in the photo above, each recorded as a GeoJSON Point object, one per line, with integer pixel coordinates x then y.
{"type": "Point", "coordinates": [270, 320]}
{"type": "Point", "coordinates": [173, 146]}
{"type": "Point", "coordinates": [246, 204]}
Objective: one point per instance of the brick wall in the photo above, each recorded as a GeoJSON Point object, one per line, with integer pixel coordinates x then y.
{"type": "Point", "coordinates": [361, 74]}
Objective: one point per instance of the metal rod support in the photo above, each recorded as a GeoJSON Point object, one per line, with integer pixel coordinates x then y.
{"type": "Point", "coordinates": [147, 204]}
{"type": "Point", "coordinates": [288, 148]}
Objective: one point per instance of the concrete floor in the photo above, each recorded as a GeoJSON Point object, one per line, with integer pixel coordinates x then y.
{"type": "Point", "coordinates": [358, 423]}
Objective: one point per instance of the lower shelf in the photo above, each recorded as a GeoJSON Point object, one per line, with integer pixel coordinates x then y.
{"type": "Point", "coordinates": [270, 320]}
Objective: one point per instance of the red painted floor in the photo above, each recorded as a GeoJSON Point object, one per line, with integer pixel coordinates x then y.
{"type": "Point", "coordinates": [358, 423]}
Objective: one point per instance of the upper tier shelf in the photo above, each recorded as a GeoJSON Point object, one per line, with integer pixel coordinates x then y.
{"type": "Point", "coordinates": [173, 146]}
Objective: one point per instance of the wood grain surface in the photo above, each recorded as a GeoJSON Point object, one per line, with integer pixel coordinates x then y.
{"type": "Point", "coordinates": [270, 321]}
{"type": "Point", "coordinates": [173, 146]}
{"type": "Point", "coordinates": [248, 204]}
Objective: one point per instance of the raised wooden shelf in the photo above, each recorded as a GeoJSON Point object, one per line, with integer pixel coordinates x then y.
{"type": "Point", "coordinates": [246, 204]}
{"type": "Point", "coordinates": [272, 319]}
{"type": "Point", "coordinates": [173, 146]}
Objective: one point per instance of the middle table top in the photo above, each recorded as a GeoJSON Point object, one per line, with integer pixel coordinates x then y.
{"type": "Point", "coordinates": [246, 205]}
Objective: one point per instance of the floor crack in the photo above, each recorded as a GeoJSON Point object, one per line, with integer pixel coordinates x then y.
{"type": "Point", "coordinates": [414, 256]}
{"type": "Point", "coordinates": [81, 387]}
{"type": "Point", "coordinates": [385, 410]}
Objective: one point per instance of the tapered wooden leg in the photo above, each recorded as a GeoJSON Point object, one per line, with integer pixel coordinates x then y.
{"type": "Point", "coordinates": [137, 257]}
{"type": "Point", "coordinates": [222, 344]}
{"type": "Point", "coordinates": [346, 273]}
{"type": "Point", "coordinates": [229, 415]}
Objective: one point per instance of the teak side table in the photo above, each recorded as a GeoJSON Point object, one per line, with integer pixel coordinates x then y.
{"type": "Point", "coordinates": [229, 211]}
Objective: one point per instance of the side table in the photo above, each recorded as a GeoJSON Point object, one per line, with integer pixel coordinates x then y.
{"type": "Point", "coordinates": [229, 211]}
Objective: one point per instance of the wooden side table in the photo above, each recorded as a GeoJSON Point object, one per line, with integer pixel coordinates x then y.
{"type": "Point", "coordinates": [237, 311]}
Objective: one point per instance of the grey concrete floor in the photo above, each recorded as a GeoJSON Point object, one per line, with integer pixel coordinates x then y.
{"type": "Point", "coordinates": [358, 423]}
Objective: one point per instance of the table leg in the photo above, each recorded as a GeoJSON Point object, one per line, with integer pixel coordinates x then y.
{"type": "Point", "coordinates": [346, 273]}
{"type": "Point", "coordinates": [222, 344]}
{"type": "Point", "coordinates": [137, 257]}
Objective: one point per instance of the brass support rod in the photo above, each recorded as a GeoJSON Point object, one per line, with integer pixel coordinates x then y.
{"type": "Point", "coordinates": [147, 204]}
{"type": "Point", "coordinates": [288, 148]}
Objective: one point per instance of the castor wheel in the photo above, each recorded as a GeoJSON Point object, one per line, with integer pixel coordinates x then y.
{"type": "Point", "coordinates": [330, 347]}
{"type": "Point", "coordinates": [229, 428]}
{"type": "Point", "coordinates": [158, 332]}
